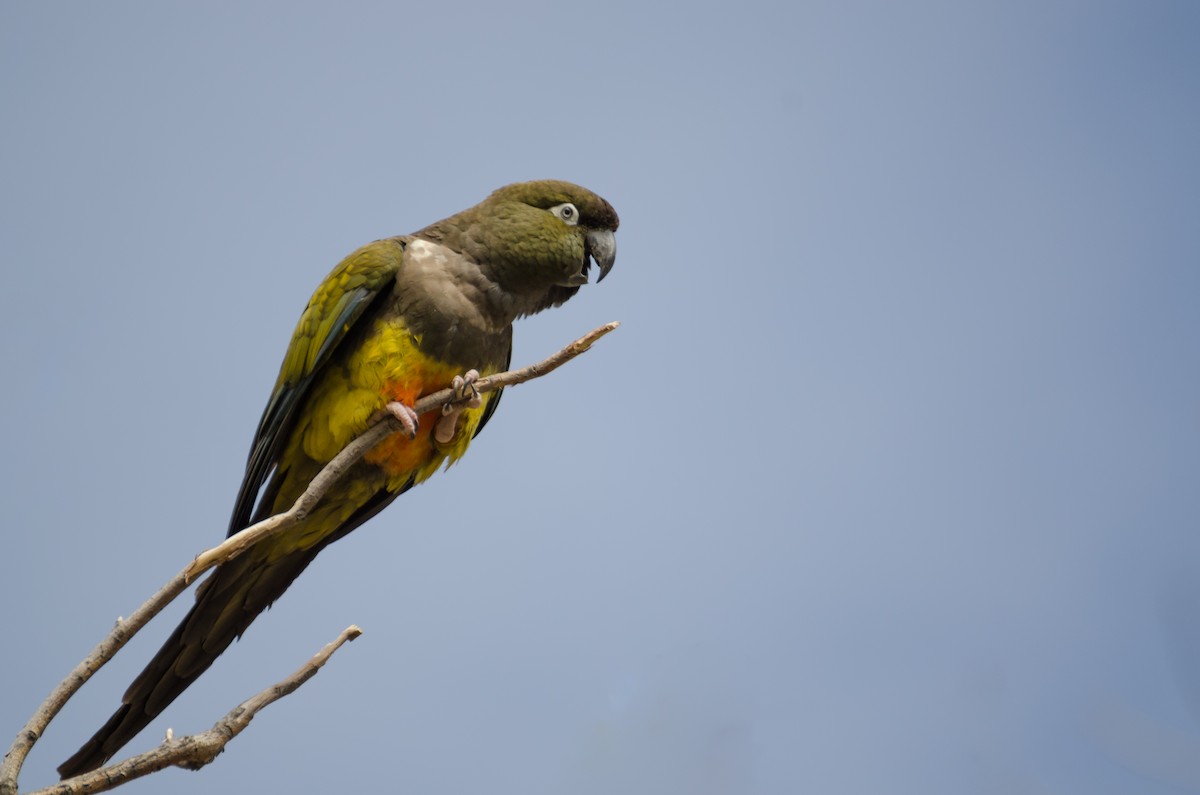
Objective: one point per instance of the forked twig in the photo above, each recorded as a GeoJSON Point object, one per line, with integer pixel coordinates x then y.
{"type": "Point", "coordinates": [125, 629]}
{"type": "Point", "coordinates": [197, 750]}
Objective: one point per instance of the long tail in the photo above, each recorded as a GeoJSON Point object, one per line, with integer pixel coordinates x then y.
{"type": "Point", "coordinates": [226, 604]}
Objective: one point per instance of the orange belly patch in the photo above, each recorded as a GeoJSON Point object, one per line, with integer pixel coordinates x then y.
{"type": "Point", "coordinates": [388, 366]}
{"type": "Point", "coordinates": [398, 455]}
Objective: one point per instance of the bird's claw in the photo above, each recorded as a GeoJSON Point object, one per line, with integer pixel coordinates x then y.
{"type": "Point", "coordinates": [465, 393]}
{"type": "Point", "coordinates": [465, 396]}
{"type": "Point", "coordinates": [407, 417]}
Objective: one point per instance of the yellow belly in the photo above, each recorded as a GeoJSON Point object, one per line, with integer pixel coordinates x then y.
{"type": "Point", "coordinates": [387, 366]}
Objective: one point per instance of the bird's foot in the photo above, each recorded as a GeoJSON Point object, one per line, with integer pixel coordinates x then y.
{"type": "Point", "coordinates": [407, 417]}
{"type": "Point", "coordinates": [466, 396]}
{"type": "Point", "coordinates": [464, 391]}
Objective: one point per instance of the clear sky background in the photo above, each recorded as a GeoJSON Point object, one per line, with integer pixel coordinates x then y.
{"type": "Point", "coordinates": [889, 482]}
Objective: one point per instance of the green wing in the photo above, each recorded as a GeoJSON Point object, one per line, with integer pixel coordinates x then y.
{"type": "Point", "coordinates": [358, 282]}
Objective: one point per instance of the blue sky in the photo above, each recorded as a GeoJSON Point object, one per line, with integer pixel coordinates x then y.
{"type": "Point", "coordinates": [888, 482]}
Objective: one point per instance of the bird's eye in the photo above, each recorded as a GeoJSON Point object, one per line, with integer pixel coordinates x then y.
{"type": "Point", "coordinates": [567, 212]}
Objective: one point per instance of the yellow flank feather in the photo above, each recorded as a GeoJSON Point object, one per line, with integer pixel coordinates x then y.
{"type": "Point", "coordinates": [387, 366]}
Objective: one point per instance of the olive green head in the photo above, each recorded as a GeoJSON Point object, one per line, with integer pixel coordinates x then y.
{"type": "Point", "coordinates": [536, 240]}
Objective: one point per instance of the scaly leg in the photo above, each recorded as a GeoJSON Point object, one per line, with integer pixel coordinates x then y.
{"type": "Point", "coordinates": [465, 396]}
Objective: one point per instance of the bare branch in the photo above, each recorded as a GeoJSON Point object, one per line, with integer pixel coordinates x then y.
{"type": "Point", "coordinates": [368, 439]}
{"type": "Point", "coordinates": [197, 750]}
{"type": "Point", "coordinates": [125, 629]}
{"type": "Point", "coordinates": [104, 651]}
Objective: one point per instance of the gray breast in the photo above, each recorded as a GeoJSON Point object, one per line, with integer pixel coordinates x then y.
{"type": "Point", "coordinates": [459, 315]}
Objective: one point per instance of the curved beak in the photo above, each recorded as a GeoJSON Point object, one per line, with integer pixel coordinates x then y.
{"type": "Point", "coordinates": [602, 248]}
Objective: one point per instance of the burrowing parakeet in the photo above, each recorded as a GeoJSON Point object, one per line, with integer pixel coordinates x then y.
{"type": "Point", "coordinates": [397, 319]}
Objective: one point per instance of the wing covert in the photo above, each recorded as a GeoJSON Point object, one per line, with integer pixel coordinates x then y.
{"type": "Point", "coordinates": [358, 282]}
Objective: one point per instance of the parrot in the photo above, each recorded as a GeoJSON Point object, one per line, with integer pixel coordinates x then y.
{"type": "Point", "coordinates": [397, 319]}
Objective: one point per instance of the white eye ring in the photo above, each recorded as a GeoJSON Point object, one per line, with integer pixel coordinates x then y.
{"type": "Point", "coordinates": [567, 212]}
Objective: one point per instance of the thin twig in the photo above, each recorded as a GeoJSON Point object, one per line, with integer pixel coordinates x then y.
{"type": "Point", "coordinates": [197, 750]}
{"type": "Point", "coordinates": [125, 629]}
{"type": "Point", "coordinates": [352, 452]}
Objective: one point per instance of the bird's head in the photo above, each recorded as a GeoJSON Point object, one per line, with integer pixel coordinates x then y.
{"type": "Point", "coordinates": [537, 240]}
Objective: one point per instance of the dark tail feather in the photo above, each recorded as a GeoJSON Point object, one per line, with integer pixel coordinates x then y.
{"type": "Point", "coordinates": [226, 603]}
